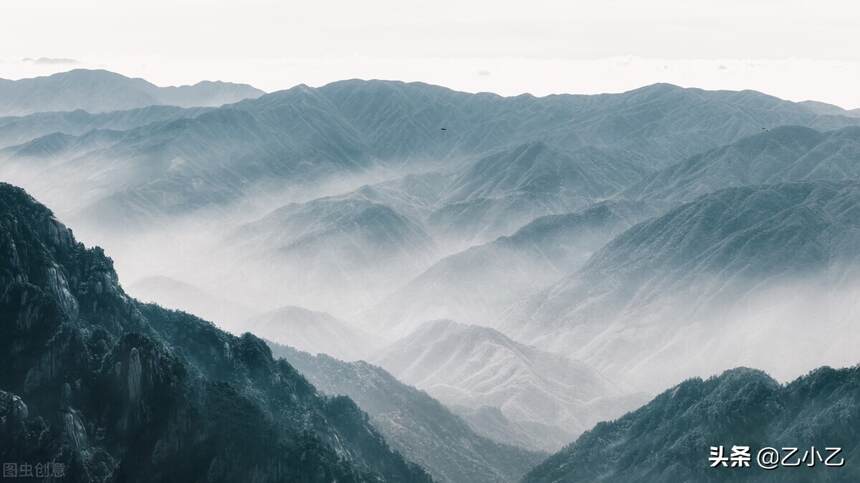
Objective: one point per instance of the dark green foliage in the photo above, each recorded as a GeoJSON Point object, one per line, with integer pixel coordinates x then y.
{"type": "Point", "coordinates": [121, 391]}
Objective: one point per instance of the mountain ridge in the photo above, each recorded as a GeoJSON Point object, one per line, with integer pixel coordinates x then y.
{"type": "Point", "coordinates": [464, 285]}
{"type": "Point", "coordinates": [669, 438]}
{"type": "Point", "coordinates": [472, 366]}
{"type": "Point", "coordinates": [101, 91]}
{"type": "Point", "coordinates": [783, 154]}
{"type": "Point", "coordinates": [343, 129]}
{"type": "Point", "coordinates": [414, 423]}
{"type": "Point", "coordinates": [738, 257]}
{"type": "Point", "coordinates": [116, 389]}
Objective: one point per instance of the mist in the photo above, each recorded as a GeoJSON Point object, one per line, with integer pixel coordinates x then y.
{"type": "Point", "coordinates": [210, 263]}
{"type": "Point", "coordinates": [529, 251]}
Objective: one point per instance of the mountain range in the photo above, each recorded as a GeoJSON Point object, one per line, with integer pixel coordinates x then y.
{"type": "Point", "coordinates": [783, 154]}
{"type": "Point", "coordinates": [97, 91]}
{"type": "Point", "coordinates": [472, 366]}
{"type": "Point", "coordinates": [504, 191]}
{"type": "Point", "coordinates": [464, 286]}
{"type": "Point", "coordinates": [535, 264]}
{"type": "Point", "coordinates": [345, 244]}
{"type": "Point", "coordinates": [669, 438]}
{"type": "Point", "coordinates": [415, 424]}
{"type": "Point", "coordinates": [741, 259]}
{"type": "Point", "coordinates": [346, 128]}
{"type": "Point", "coordinates": [313, 332]}
{"type": "Point", "coordinates": [176, 294]}
{"type": "Point", "coordinates": [118, 390]}
{"type": "Point", "coordinates": [19, 130]}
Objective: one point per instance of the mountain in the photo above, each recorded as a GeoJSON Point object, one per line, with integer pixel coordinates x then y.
{"type": "Point", "coordinates": [757, 262]}
{"type": "Point", "coordinates": [491, 423]}
{"type": "Point", "coordinates": [657, 125]}
{"type": "Point", "coordinates": [339, 244]}
{"type": "Point", "coordinates": [17, 130]}
{"type": "Point", "coordinates": [465, 365]}
{"type": "Point", "coordinates": [828, 109]}
{"type": "Point", "coordinates": [314, 332]}
{"type": "Point", "coordinates": [415, 424]}
{"type": "Point", "coordinates": [414, 195]}
{"type": "Point", "coordinates": [302, 135]}
{"type": "Point", "coordinates": [340, 223]}
{"type": "Point", "coordinates": [670, 123]}
{"type": "Point", "coordinates": [492, 196]}
{"type": "Point", "coordinates": [465, 286]}
{"type": "Point", "coordinates": [102, 91]}
{"type": "Point", "coordinates": [783, 154]}
{"type": "Point", "coordinates": [669, 439]}
{"type": "Point", "coordinates": [381, 235]}
{"type": "Point", "coordinates": [118, 390]}
{"type": "Point", "coordinates": [45, 153]}
{"type": "Point", "coordinates": [178, 295]}
{"type": "Point", "coordinates": [161, 171]}
{"type": "Point", "coordinates": [499, 163]}
{"type": "Point", "coordinates": [502, 192]}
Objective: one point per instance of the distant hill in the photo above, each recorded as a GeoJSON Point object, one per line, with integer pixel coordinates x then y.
{"type": "Point", "coordinates": [170, 168]}
{"type": "Point", "coordinates": [178, 295]}
{"type": "Point", "coordinates": [383, 234]}
{"type": "Point", "coordinates": [415, 424]}
{"type": "Point", "coordinates": [669, 439]}
{"type": "Point", "coordinates": [502, 192]}
{"type": "Point", "coordinates": [466, 365]}
{"type": "Point", "coordinates": [549, 150]}
{"type": "Point", "coordinates": [465, 285]}
{"type": "Point", "coordinates": [830, 109]}
{"type": "Point", "coordinates": [341, 244]}
{"type": "Point", "coordinates": [15, 130]}
{"type": "Point", "coordinates": [788, 153]}
{"type": "Point", "coordinates": [313, 332]}
{"type": "Point", "coordinates": [726, 279]}
{"type": "Point", "coordinates": [102, 91]}
{"type": "Point", "coordinates": [656, 125]}
{"type": "Point", "coordinates": [490, 422]}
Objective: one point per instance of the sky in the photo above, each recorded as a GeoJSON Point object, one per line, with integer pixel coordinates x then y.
{"type": "Point", "coordinates": [794, 49]}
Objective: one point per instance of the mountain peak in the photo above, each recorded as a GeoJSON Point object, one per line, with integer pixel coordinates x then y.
{"type": "Point", "coordinates": [475, 366]}
{"type": "Point", "coordinates": [782, 154]}
{"type": "Point", "coordinates": [658, 87]}
{"type": "Point", "coordinates": [741, 406]}
{"type": "Point", "coordinates": [81, 72]}
{"type": "Point", "coordinates": [746, 374]}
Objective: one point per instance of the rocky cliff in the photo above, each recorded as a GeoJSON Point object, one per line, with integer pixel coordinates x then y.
{"type": "Point", "coordinates": [116, 390]}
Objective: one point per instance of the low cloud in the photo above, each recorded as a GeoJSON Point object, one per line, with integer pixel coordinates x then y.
{"type": "Point", "coordinates": [50, 60]}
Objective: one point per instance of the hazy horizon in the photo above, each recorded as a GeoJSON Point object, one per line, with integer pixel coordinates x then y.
{"type": "Point", "coordinates": [584, 47]}
{"type": "Point", "coordinates": [43, 67]}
